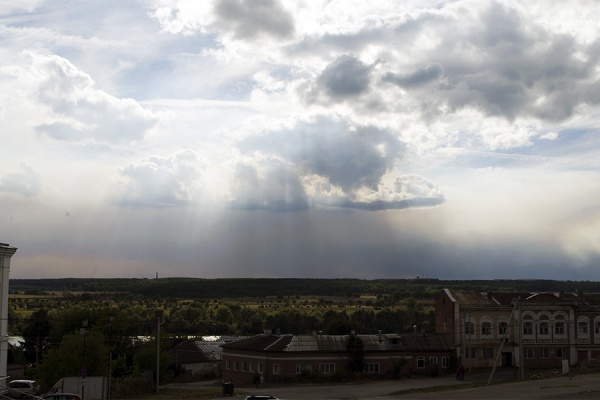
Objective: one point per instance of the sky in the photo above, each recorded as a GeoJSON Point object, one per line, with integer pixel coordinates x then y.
{"type": "Point", "coordinates": [307, 138]}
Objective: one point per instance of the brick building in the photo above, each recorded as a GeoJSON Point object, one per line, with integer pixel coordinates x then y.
{"type": "Point", "coordinates": [543, 328]}
{"type": "Point", "coordinates": [279, 358]}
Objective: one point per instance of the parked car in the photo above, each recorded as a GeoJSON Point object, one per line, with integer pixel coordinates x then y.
{"type": "Point", "coordinates": [261, 397]}
{"type": "Point", "coordinates": [61, 396]}
{"type": "Point", "coordinates": [23, 389]}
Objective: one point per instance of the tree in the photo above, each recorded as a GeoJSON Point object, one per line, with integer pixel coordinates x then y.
{"type": "Point", "coordinates": [356, 348]}
{"type": "Point", "coordinates": [68, 358]}
{"type": "Point", "coordinates": [36, 333]}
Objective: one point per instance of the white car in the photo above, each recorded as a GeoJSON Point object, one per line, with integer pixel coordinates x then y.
{"type": "Point", "coordinates": [23, 389]}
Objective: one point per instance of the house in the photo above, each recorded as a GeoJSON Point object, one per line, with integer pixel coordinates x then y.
{"type": "Point", "coordinates": [279, 358]}
{"type": "Point", "coordinates": [539, 330]}
{"type": "Point", "coordinates": [196, 357]}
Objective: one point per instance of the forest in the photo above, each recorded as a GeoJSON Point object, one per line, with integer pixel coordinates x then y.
{"type": "Point", "coordinates": [123, 315]}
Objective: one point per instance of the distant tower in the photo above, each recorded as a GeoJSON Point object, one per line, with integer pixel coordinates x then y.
{"type": "Point", "coordinates": [6, 252]}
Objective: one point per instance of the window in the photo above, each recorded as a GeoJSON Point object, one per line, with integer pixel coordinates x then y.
{"type": "Point", "coordinates": [445, 362]}
{"type": "Point", "coordinates": [235, 365]}
{"type": "Point", "coordinates": [327, 368]}
{"type": "Point", "coordinates": [597, 328]}
{"type": "Point", "coordinates": [488, 353]}
{"type": "Point", "coordinates": [251, 367]}
{"type": "Point", "coordinates": [300, 368]}
{"type": "Point", "coordinates": [244, 365]}
{"type": "Point", "coordinates": [502, 328]}
{"type": "Point", "coordinates": [469, 328]}
{"type": "Point", "coordinates": [228, 364]}
{"type": "Point", "coordinates": [471, 354]}
{"type": "Point", "coordinates": [582, 327]}
{"type": "Point", "coordinates": [559, 328]}
{"type": "Point", "coordinates": [372, 368]}
{"type": "Point", "coordinates": [529, 353]}
{"type": "Point", "coordinates": [486, 328]}
{"type": "Point", "coordinates": [433, 360]}
{"type": "Point", "coordinates": [560, 353]}
{"type": "Point", "coordinates": [528, 328]}
{"type": "Point", "coordinates": [276, 369]}
{"type": "Point", "coordinates": [260, 368]}
{"type": "Point", "coordinates": [543, 328]}
{"type": "Point", "coordinates": [420, 362]}
{"type": "Point", "coordinates": [545, 352]}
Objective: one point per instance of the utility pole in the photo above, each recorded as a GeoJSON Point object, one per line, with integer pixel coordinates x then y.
{"type": "Point", "coordinates": [520, 328]}
{"type": "Point", "coordinates": [502, 341]}
{"type": "Point", "coordinates": [158, 323]}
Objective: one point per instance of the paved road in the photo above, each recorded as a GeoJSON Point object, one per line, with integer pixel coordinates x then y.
{"type": "Point", "coordinates": [568, 387]}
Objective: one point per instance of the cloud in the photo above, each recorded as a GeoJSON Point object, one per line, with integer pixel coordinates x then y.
{"type": "Point", "coordinates": [81, 113]}
{"type": "Point", "coordinates": [419, 77]}
{"type": "Point", "coordinates": [271, 185]}
{"type": "Point", "coordinates": [247, 19]}
{"type": "Point", "coordinates": [326, 162]}
{"type": "Point", "coordinates": [26, 183]}
{"type": "Point", "coordinates": [345, 77]}
{"type": "Point", "coordinates": [159, 182]}
{"type": "Point", "coordinates": [349, 157]}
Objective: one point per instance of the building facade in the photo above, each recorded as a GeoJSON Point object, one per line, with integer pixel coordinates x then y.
{"type": "Point", "coordinates": [539, 330]}
{"type": "Point", "coordinates": [281, 358]}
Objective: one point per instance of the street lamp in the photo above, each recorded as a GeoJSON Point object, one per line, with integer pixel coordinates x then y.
{"type": "Point", "coordinates": [83, 331]}
{"type": "Point", "coordinates": [112, 319]}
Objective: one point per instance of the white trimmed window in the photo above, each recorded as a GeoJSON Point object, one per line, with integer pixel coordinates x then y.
{"type": "Point", "coordinates": [528, 328]}
{"type": "Point", "coordinates": [228, 364]}
{"type": "Point", "coordinates": [486, 328]}
{"type": "Point", "coordinates": [543, 328]}
{"type": "Point", "coordinates": [420, 362]}
{"type": "Point", "coordinates": [371, 368]}
{"type": "Point", "coordinates": [276, 369]}
{"type": "Point", "coordinates": [545, 352]}
{"type": "Point", "coordinates": [559, 328]}
{"type": "Point", "coordinates": [502, 327]}
{"type": "Point", "coordinates": [445, 361]}
{"type": "Point", "coordinates": [260, 368]}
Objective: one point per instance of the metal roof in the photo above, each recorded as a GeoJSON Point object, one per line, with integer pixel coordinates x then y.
{"type": "Point", "coordinates": [337, 343]}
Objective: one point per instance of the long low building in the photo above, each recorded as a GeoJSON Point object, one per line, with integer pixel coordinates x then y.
{"type": "Point", "coordinates": [282, 358]}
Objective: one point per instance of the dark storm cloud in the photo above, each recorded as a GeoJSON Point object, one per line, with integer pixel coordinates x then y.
{"type": "Point", "coordinates": [346, 76]}
{"type": "Point", "coordinates": [379, 205]}
{"type": "Point", "coordinates": [419, 77]}
{"type": "Point", "coordinates": [348, 158]}
{"type": "Point", "coordinates": [272, 187]}
{"type": "Point", "coordinates": [251, 18]}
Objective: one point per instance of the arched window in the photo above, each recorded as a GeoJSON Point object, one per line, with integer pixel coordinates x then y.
{"type": "Point", "coordinates": [583, 329]}
{"type": "Point", "coordinates": [486, 328]}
